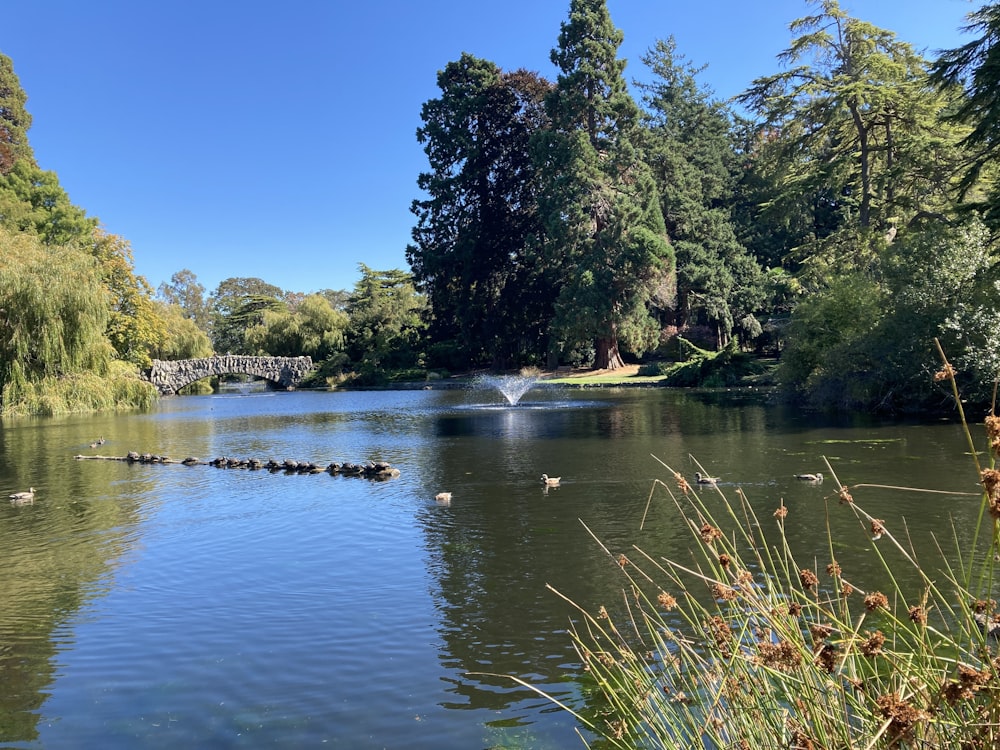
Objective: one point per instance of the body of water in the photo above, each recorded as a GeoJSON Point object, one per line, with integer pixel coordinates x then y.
{"type": "Point", "coordinates": [173, 606]}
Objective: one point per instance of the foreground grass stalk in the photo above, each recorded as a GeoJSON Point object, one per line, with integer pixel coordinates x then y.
{"type": "Point", "coordinates": [744, 646]}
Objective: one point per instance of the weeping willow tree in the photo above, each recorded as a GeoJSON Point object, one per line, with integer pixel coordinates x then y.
{"type": "Point", "coordinates": [55, 355]}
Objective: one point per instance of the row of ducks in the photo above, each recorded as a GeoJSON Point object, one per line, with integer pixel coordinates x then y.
{"type": "Point", "coordinates": [444, 498]}
{"type": "Point", "coordinates": [816, 478]}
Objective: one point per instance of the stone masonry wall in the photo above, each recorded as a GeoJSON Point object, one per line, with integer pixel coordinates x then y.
{"type": "Point", "coordinates": [170, 377]}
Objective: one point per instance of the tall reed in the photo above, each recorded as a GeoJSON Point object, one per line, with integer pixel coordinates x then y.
{"type": "Point", "coordinates": [743, 646]}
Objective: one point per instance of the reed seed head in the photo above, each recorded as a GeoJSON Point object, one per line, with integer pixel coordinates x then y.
{"type": "Point", "coordinates": [709, 533]}
{"type": "Point", "coordinates": [876, 600]}
{"type": "Point", "coordinates": [872, 646]}
{"type": "Point", "coordinates": [666, 600]}
{"type": "Point", "coordinates": [808, 578]}
{"type": "Point", "coordinates": [878, 528]}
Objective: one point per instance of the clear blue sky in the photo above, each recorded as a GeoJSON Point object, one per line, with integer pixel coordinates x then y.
{"type": "Point", "coordinates": [277, 140]}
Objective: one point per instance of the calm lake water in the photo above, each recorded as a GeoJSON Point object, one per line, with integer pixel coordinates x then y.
{"type": "Point", "coordinates": [170, 606]}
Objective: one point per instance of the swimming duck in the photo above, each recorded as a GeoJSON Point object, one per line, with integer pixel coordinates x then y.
{"type": "Point", "coordinates": [444, 498]}
{"type": "Point", "coordinates": [816, 478]}
{"type": "Point", "coordinates": [550, 481]}
{"type": "Point", "coordinates": [24, 497]}
{"type": "Point", "coordinates": [702, 479]}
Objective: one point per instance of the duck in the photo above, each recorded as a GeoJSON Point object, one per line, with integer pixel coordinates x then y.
{"type": "Point", "coordinates": [816, 478]}
{"type": "Point", "coordinates": [702, 479]}
{"type": "Point", "coordinates": [444, 498]}
{"type": "Point", "coordinates": [24, 497]}
{"type": "Point", "coordinates": [550, 481]}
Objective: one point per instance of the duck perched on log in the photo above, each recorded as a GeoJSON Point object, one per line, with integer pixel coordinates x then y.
{"type": "Point", "coordinates": [368, 469]}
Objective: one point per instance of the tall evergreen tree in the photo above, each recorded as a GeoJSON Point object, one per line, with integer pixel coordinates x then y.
{"type": "Point", "coordinates": [14, 119]}
{"type": "Point", "coordinates": [384, 320]}
{"type": "Point", "coordinates": [690, 150]}
{"type": "Point", "coordinates": [604, 225]}
{"type": "Point", "coordinates": [852, 130]}
{"type": "Point", "coordinates": [490, 301]}
{"type": "Point", "coordinates": [976, 68]}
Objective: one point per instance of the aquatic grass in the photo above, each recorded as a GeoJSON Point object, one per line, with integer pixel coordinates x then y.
{"type": "Point", "coordinates": [745, 645]}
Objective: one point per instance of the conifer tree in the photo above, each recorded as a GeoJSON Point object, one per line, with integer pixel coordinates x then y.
{"type": "Point", "coordinates": [14, 119]}
{"type": "Point", "coordinates": [604, 225]}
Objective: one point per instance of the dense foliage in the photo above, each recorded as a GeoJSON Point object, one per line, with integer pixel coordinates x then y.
{"type": "Point", "coordinates": [842, 222]}
{"type": "Point", "coordinates": [838, 222]}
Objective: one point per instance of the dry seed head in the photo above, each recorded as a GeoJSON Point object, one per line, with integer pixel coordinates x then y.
{"type": "Point", "coordinates": [682, 483]}
{"type": "Point", "coordinates": [622, 560]}
{"type": "Point", "coordinates": [781, 512]}
{"type": "Point", "coordinates": [666, 600]}
{"type": "Point", "coordinates": [718, 629]}
{"type": "Point", "coordinates": [725, 560]}
{"type": "Point", "coordinates": [984, 605]}
{"type": "Point", "coordinates": [993, 433]}
{"type": "Point", "coordinates": [800, 741]}
{"type": "Point", "coordinates": [876, 600]}
{"type": "Point", "coordinates": [901, 715]}
{"type": "Point", "coordinates": [783, 655]}
{"type": "Point", "coordinates": [820, 633]}
{"type": "Point", "coordinates": [723, 592]}
{"type": "Point", "coordinates": [918, 615]}
{"type": "Point", "coordinates": [945, 373]}
{"type": "Point", "coordinates": [833, 569]}
{"type": "Point", "coordinates": [845, 496]}
{"type": "Point", "coordinates": [878, 528]}
{"type": "Point", "coordinates": [826, 658]}
{"type": "Point", "coordinates": [991, 483]}
{"type": "Point", "coordinates": [872, 646]}
{"type": "Point", "coordinates": [709, 533]}
{"type": "Point", "coordinates": [808, 578]}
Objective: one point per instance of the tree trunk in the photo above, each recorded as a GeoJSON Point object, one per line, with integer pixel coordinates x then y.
{"type": "Point", "coordinates": [607, 356]}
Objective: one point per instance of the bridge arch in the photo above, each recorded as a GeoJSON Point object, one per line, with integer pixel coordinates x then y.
{"type": "Point", "coordinates": [170, 376]}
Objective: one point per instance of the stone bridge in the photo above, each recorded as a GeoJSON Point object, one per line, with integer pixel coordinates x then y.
{"type": "Point", "coordinates": [170, 377]}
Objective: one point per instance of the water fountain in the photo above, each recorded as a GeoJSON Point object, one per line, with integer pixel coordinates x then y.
{"type": "Point", "coordinates": [513, 387]}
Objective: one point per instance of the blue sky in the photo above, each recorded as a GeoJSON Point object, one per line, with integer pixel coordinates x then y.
{"type": "Point", "coordinates": [277, 140]}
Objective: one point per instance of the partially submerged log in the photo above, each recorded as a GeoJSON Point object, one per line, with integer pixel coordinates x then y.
{"type": "Point", "coordinates": [366, 470]}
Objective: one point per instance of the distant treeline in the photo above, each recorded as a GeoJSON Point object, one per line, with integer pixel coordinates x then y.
{"type": "Point", "coordinates": [842, 219]}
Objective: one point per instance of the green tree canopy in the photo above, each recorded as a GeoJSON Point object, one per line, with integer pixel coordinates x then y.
{"type": "Point", "coordinates": [134, 326]}
{"type": "Point", "coordinates": [311, 328]}
{"type": "Point", "coordinates": [236, 304]}
{"type": "Point", "coordinates": [854, 132]}
{"type": "Point", "coordinates": [185, 292]}
{"type": "Point", "coordinates": [975, 68]}
{"type": "Point", "coordinates": [182, 339]}
{"type": "Point", "coordinates": [490, 298]}
{"type": "Point", "coordinates": [690, 150]}
{"type": "Point", "coordinates": [603, 221]}
{"type": "Point", "coordinates": [53, 314]}
{"type": "Point", "coordinates": [14, 119]}
{"type": "Point", "coordinates": [385, 325]}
